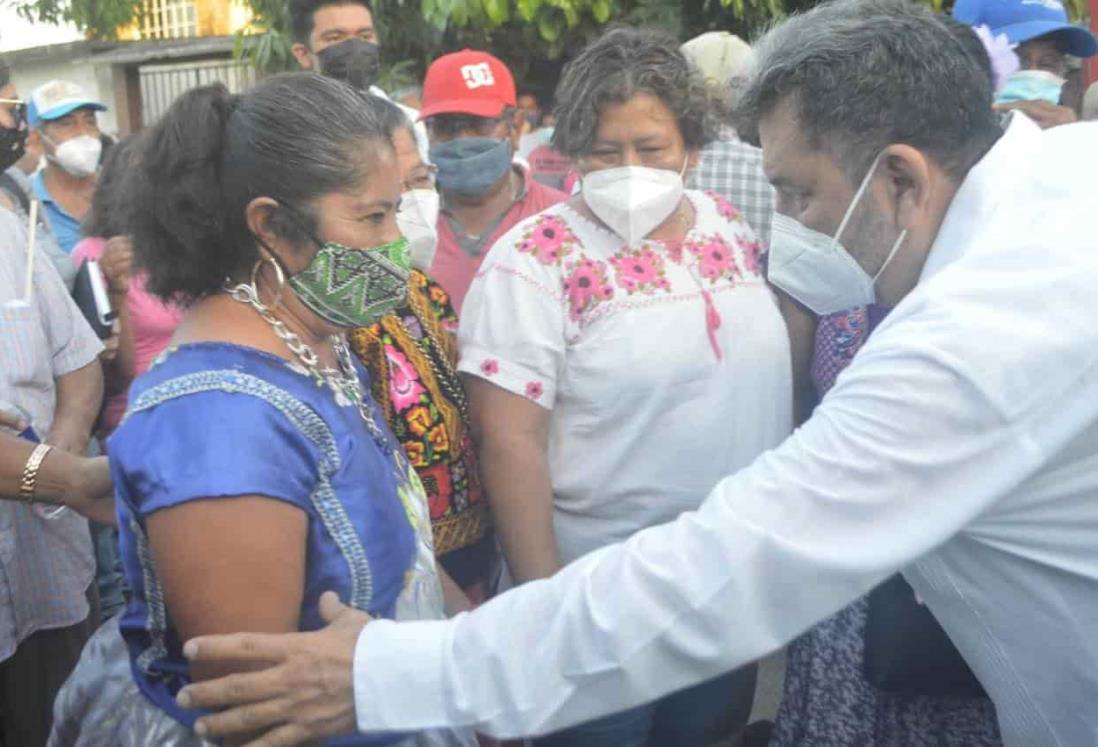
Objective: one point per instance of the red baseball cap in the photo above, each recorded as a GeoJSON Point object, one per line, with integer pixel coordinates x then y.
{"type": "Point", "coordinates": [467, 82]}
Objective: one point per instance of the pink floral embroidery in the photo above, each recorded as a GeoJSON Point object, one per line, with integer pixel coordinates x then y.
{"type": "Point", "coordinates": [534, 390]}
{"type": "Point", "coordinates": [404, 387]}
{"type": "Point", "coordinates": [639, 270]}
{"type": "Point", "coordinates": [489, 367]}
{"type": "Point", "coordinates": [586, 286]}
{"type": "Point", "coordinates": [752, 250]}
{"type": "Point", "coordinates": [715, 259]}
{"type": "Point", "coordinates": [549, 240]}
{"type": "Point", "coordinates": [725, 208]}
{"type": "Point", "coordinates": [450, 325]}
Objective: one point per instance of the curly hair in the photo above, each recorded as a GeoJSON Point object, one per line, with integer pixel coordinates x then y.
{"type": "Point", "coordinates": [622, 63]}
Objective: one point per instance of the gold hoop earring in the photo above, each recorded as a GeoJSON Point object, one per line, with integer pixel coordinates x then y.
{"type": "Point", "coordinates": [279, 275]}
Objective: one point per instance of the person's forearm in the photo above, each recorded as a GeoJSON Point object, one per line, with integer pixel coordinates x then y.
{"type": "Point", "coordinates": [63, 478]}
{"type": "Point", "coordinates": [515, 471]}
{"type": "Point", "coordinates": [79, 398]}
{"type": "Point", "coordinates": [806, 529]}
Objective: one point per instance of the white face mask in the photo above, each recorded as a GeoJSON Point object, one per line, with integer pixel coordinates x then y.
{"type": "Point", "coordinates": [79, 156]}
{"type": "Point", "coordinates": [816, 270]}
{"type": "Point", "coordinates": [418, 222]}
{"type": "Point", "coordinates": [633, 200]}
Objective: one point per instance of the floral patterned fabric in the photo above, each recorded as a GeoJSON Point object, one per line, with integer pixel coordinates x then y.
{"type": "Point", "coordinates": [410, 355]}
{"type": "Point", "coordinates": [826, 699]}
{"type": "Point", "coordinates": [665, 365]}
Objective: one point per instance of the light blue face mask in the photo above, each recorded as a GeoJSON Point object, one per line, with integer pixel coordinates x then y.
{"type": "Point", "coordinates": [1031, 85]}
{"type": "Point", "coordinates": [469, 166]}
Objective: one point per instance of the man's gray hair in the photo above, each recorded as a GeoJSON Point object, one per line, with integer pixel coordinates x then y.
{"type": "Point", "coordinates": [864, 74]}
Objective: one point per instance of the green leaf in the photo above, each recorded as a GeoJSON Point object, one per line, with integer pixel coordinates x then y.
{"type": "Point", "coordinates": [571, 15]}
{"type": "Point", "coordinates": [497, 11]}
{"type": "Point", "coordinates": [551, 25]}
{"type": "Point", "coordinates": [459, 13]}
{"type": "Point", "coordinates": [600, 11]}
{"type": "Point", "coordinates": [528, 9]}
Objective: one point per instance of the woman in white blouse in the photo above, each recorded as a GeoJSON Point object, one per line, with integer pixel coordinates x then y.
{"type": "Point", "coordinates": [622, 351]}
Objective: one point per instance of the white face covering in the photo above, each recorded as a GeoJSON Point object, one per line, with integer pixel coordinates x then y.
{"type": "Point", "coordinates": [418, 222]}
{"type": "Point", "coordinates": [816, 270]}
{"type": "Point", "coordinates": [633, 200]}
{"type": "Point", "coordinates": [78, 156]}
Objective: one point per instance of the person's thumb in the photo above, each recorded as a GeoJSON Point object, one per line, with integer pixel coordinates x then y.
{"type": "Point", "coordinates": [334, 611]}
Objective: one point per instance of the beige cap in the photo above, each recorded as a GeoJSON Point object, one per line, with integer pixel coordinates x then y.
{"type": "Point", "coordinates": [719, 55]}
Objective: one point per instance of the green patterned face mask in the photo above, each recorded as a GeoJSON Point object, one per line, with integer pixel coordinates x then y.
{"type": "Point", "coordinates": [354, 287]}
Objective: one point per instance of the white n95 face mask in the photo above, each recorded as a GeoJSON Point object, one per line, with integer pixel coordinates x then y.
{"type": "Point", "coordinates": [417, 220]}
{"type": "Point", "coordinates": [79, 156]}
{"type": "Point", "coordinates": [633, 200]}
{"type": "Point", "coordinates": [816, 270]}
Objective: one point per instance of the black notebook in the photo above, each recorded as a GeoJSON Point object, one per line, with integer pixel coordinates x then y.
{"type": "Point", "coordinates": [90, 293]}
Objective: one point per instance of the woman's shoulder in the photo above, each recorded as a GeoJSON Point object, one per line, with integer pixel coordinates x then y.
{"type": "Point", "coordinates": [192, 369]}
{"type": "Point", "coordinates": [715, 209]}
{"type": "Point", "coordinates": [549, 240]}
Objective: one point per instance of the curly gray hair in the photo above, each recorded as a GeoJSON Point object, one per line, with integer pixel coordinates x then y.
{"type": "Point", "coordinates": [622, 63]}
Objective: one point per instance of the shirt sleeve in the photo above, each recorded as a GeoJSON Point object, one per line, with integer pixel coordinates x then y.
{"type": "Point", "coordinates": [72, 343]}
{"type": "Point", "coordinates": [512, 330]}
{"type": "Point", "coordinates": [213, 444]}
{"type": "Point", "coordinates": [902, 455]}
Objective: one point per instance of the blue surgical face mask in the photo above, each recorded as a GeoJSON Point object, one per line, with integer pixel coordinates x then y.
{"type": "Point", "coordinates": [469, 166]}
{"type": "Point", "coordinates": [1031, 85]}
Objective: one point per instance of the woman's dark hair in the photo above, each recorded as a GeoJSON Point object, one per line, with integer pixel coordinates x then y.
{"type": "Point", "coordinates": [110, 209]}
{"type": "Point", "coordinates": [5, 72]}
{"type": "Point", "coordinates": [390, 116]}
{"type": "Point", "coordinates": [292, 138]}
{"type": "Point", "coordinates": [622, 63]}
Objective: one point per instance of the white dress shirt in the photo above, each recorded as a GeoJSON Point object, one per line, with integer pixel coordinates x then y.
{"type": "Point", "coordinates": [961, 445]}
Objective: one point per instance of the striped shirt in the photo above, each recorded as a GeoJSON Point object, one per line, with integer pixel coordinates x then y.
{"type": "Point", "coordinates": [45, 565]}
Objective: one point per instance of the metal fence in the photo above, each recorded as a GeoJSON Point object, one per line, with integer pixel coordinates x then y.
{"type": "Point", "coordinates": [161, 84]}
{"type": "Point", "coordinates": [169, 19]}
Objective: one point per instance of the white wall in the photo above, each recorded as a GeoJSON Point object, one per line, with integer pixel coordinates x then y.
{"type": "Point", "coordinates": [96, 80]}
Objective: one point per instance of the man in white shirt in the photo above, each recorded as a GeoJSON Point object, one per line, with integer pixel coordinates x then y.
{"type": "Point", "coordinates": [960, 446]}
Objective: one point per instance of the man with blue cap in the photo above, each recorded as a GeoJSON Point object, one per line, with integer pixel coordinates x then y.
{"type": "Point", "coordinates": [63, 119]}
{"type": "Point", "coordinates": [1044, 39]}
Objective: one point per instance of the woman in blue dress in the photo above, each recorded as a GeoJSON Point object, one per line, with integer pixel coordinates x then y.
{"type": "Point", "coordinates": [253, 470]}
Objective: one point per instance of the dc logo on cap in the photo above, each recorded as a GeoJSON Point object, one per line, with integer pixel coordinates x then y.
{"type": "Point", "coordinates": [477, 76]}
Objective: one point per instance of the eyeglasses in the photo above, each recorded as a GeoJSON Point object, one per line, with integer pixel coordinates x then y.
{"type": "Point", "coordinates": [18, 110]}
{"type": "Point", "coordinates": [422, 177]}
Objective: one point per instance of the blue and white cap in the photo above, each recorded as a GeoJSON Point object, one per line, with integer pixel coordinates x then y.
{"type": "Point", "coordinates": [1025, 20]}
{"type": "Point", "coordinates": [57, 98]}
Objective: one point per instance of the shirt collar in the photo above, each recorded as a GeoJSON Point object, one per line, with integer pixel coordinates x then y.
{"type": "Point", "coordinates": [39, 186]}
{"type": "Point", "coordinates": [980, 192]}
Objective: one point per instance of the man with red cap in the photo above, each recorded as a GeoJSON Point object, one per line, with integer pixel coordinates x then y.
{"type": "Point", "coordinates": [474, 126]}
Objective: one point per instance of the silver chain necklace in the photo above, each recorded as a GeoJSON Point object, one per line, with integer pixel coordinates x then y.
{"type": "Point", "coordinates": [344, 382]}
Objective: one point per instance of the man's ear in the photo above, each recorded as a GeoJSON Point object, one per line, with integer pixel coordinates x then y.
{"type": "Point", "coordinates": [908, 183]}
{"type": "Point", "coordinates": [304, 57]}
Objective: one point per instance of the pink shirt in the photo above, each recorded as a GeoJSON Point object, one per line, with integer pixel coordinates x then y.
{"type": "Point", "coordinates": [454, 269]}
{"type": "Point", "coordinates": [153, 324]}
